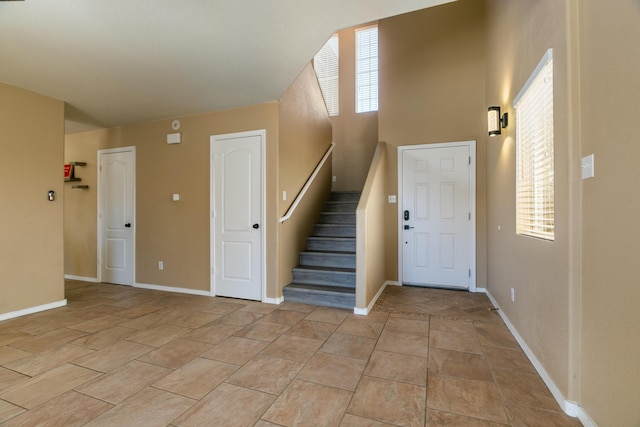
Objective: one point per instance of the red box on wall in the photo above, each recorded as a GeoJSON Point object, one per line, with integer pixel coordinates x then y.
{"type": "Point", "coordinates": [68, 171]}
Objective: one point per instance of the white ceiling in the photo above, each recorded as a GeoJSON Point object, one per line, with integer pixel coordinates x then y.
{"type": "Point", "coordinates": [121, 61]}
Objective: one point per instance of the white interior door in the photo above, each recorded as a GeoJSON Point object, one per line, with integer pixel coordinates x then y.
{"type": "Point", "coordinates": [436, 216]}
{"type": "Point", "coordinates": [237, 217]}
{"type": "Point", "coordinates": [116, 193]}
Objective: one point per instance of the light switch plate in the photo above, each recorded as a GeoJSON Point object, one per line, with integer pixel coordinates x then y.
{"type": "Point", "coordinates": [176, 197]}
{"type": "Point", "coordinates": [391, 198]}
{"type": "Point", "coordinates": [588, 167]}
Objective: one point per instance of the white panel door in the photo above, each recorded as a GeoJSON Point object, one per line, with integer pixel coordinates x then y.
{"type": "Point", "coordinates": [117, 227]}
{"type": "Point", "coordinates": [237, 215]}
{"type": "Point", "coordinates": [436, 217]}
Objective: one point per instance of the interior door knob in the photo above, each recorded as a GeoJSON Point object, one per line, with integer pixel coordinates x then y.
{"type": "Point", "coordinates": [256, 226]}
{"type": "Point", "coordinates": [128, 225]}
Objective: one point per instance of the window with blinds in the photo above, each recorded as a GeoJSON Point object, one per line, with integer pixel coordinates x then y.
{"type": "Point", "coordinates": [534, 153]}
{"type": "Point", "coordinates": [325, 64]}
{"type": "Point", "coordinates": [367, 69]}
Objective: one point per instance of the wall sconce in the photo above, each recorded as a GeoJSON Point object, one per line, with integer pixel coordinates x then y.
{"type": "Point", "coordinates": [496, 122]}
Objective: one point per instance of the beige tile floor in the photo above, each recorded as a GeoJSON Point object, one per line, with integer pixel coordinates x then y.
{"type": "Point", "coordinates": [119, 356]}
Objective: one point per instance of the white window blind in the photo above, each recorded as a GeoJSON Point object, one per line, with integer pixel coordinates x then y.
{"type": "Point", "coordinates": [367, 70]}
{"type": "Point", "coordinates": [534, 153]}
{"type": "Point", "coordinates": [326, 65]}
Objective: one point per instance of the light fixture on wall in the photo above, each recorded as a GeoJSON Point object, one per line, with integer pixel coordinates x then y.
{"type": "Point", "coordinates": [496, 122]}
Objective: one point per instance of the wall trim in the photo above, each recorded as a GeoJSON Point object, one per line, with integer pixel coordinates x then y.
{"type": "Point", "coordinates": [81, 278]}
{"type": "Point", "coordinates": [366, 311]}
{"type": "Point", "coordinates": [276, 301]}
{"type": "Point", "coordinates": [172, 289]}
{"type": "Point", "coordinates": [31, 310]}
{"type": "Point", "coordinates": [584, 418]}
{"type": "Point", "coordinates": [570, 408]}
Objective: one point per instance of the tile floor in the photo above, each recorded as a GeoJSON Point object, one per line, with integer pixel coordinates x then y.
{"type": "Point", "coordinates": [119, 356]}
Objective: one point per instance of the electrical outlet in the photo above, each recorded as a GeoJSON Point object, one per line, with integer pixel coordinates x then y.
{"type": "Point", "coordinates": [513, 295]}
{"type": "Point", "coordinates": [334, 179]}
{"type": "Point", "coordinates": [160, 265]}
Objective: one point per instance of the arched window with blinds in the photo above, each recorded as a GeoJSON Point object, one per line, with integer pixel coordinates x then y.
{"type": "Point", "coordinates": [326, 65]}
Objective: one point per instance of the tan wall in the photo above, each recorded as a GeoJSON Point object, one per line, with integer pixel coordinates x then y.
{"type": "Point", "coordinates": [355, 135]}
{"type": "Point", "coordinates": [519, 33]}
{"type": "Point", "coordinates": [31, 243]}
{"type": "Point", "coordinates": [305, 136]}
{"type": "Point", "coordinates": [370, 216]}
{"type": "Point", "coordinates": [432, 89]}
{"type": "Point", "coordinates": [176, 233]}
{"type": "Point", "coordinates": [80, 206]}
{"type": "Point", "coordinates": [610, 66]}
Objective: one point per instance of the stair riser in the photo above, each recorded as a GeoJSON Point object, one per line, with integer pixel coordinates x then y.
{"type": "Point", "coordinates": [328, 260]}
{"type": "Point", "coordinates": [340, 207]}
{"type": "Point", "coordinates": [320, 298]}
{"type": "Point", "coordinates": [344, 197]}
{"type": "Point", "coordinates": [331, 245]}
{"type": "Point", "coordinates": [337, 218]}
{"type": "Point", "coordinates": [325, 278]}
{"type": "Point", "coordinates": [328, 230]}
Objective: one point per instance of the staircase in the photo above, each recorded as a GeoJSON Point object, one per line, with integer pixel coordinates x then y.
{"type": "Point", "coordinates": [327, 271]}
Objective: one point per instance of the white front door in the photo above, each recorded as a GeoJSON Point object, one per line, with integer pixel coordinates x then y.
{"type": "Point", "coordinates": [436, 215]}
{"type": "Point", "coordinates": [116, 215]}
{"type": "Point", "coordinates": [237, 214]}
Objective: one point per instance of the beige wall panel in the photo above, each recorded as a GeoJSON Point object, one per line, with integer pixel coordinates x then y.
{"type": "Point", "coordinates": [371, 216]}
{"type": "Point", "coordinates": [610, 125]}
{"type": "Point", "coordinates": [432, 89]}
{"type": "Point", "coordinates": [519, 33]}
{"type": "Point", "coordinates": [31, 242]}
{"type": "Point", "coordinates": [305, 134]}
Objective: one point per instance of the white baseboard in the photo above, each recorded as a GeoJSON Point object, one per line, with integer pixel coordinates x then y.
{"type": "Point", "coordinates": [570, 408]}
{"type": "Point", "coordinates": [81, 278]}
{"type": "Point", "coordinates": [585, 419]}
{"type": "Point", "coordinates": [276, 301]}
{"type": "Point", "coordinates": [172, 289]}
{"type": "Point", "coordinates": [32, 310]}
{"type": "Point", "coordinates": [366, 311]}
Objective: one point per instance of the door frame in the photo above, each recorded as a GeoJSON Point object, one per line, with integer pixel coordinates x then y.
{"type": "Point", "coordinates": [131, 149]}
{"type": "Point", "coordinates": [262, 133]}
{"type": "Point", "coordinates": [472, 203]}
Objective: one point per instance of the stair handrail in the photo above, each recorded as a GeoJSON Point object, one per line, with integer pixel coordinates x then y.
{"type": "Point", "coordinates": [310, 180]}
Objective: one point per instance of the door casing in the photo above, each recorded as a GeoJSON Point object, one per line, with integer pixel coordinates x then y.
{"type": "Point", "coordinates": [100, 224]}
{"type": "Point", "coordinates": [472, 203]}
{"type": "Point", "coordinates": [212, 205]}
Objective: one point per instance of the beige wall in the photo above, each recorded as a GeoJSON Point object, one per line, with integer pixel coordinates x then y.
{"type": "Point", "coordinates": [176, 233]}
{"type": "Point", "coordinates": [31, 243]}
{"type": "Point", "coordinates": [355, 135]}
{"type": "Point", "coordinates": [80, 206]}
{"type": "Point", "coordinates": [610, 70]}
{"type": "Point", "coordinates": [432, 89]}
{"type": "Point", "coordinates": [370, 216]}
{"type": "Point", "coordinates": [305, 136]}
{"type": "Point", "coordinates": [519, 33]}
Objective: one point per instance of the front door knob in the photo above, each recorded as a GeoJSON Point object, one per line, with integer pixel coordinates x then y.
{"type": "Point", "coordinates": [128, 225]}
{"type": "Point", "coordinates": [256, 226]}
